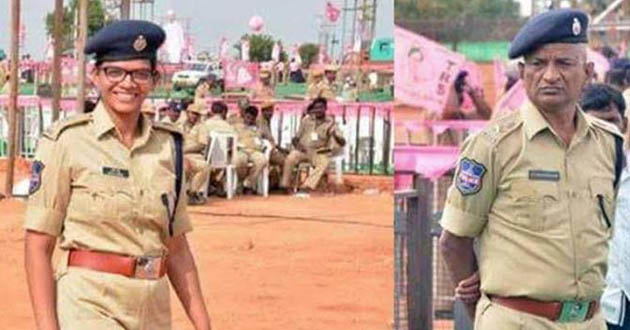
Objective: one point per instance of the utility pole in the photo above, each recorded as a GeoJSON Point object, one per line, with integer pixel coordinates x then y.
{"type": "Point", "coordinates": [58, 40]}
{"type": "Point", "coordinates": [83, 25]}
{"type": "Point", "coordinates": [125, 9]}
{"type": "Point", "coordinates": [14, 56]}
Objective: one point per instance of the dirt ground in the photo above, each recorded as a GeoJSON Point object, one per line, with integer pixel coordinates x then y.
{"type": "Point", "coordinates": [283, 262]}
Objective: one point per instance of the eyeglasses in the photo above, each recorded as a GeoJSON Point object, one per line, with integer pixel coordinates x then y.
{"type": "Point", "coordinates": [116, 75]}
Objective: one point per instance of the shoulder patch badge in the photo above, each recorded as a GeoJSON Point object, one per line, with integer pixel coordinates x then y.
{"type": "Point", "coordinates": [470, 177]}
{"type": "Point", "coordinates": [36, 176]}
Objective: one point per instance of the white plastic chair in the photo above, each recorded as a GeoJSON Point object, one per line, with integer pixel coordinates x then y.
{"type": "Point", "coordinates": [262, 185]}
{"type": "Point", "coordinates": [221, 153]}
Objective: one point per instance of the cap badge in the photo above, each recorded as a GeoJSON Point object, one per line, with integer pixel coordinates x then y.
{"type": "Point", "coordinates": [140, 44]}
{"type": "Point", "coordinates": [577, 27]}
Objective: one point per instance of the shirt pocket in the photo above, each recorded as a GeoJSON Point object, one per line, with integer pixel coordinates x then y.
{"type": "Point", "coordinates": [535, 204]}
{"type": "Point", "coordinates": [111, 198]}
{"type": "Point", "coordinates": [603, 201]}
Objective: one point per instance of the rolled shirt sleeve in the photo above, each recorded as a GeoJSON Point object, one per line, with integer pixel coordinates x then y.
{"type": "Point", "coordinates": [470, 197]}
{"type": "Point", "coordinates": [49, 188]}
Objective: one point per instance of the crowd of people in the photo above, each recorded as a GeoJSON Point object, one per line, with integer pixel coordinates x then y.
{"type": "Point", "coordinates": [318, 138]}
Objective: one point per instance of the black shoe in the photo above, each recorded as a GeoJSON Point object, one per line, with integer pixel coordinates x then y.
{"type": "Point", "coordinates": [248, 191]}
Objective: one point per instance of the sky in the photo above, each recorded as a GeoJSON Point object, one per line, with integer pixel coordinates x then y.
{"type": "Point", "coordinates": [292, 21]}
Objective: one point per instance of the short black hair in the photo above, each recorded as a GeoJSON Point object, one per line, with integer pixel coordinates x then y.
{"type": "Point", "coordinates": [252, 110]}
{"type": "Point", "coordinates": [595, 97]}
{"type": "Point", "coordinates": [320, 100]}
{"type": "Point", "coordinates": [218, 107]}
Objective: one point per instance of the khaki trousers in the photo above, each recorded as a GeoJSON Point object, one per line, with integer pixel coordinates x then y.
{"type": "Point", "coordinates": [319, 161]}
{"type": "Point", "coordinates": [247, 175]}
{"type": "Point", "coordinates": [94, 300]}
{"type": "Point", "coordinates": [199, 173]}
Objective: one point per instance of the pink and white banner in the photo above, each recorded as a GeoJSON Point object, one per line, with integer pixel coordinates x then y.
{"type": "Point", "coordinates": [474, 79]}
{"type": "Point", "coordinates": [512, 100]}
{"type": "Point", "coordinates": [425, 70]}
{"type": "Point", "coordinates": [240, 74]}
{"type": "Point", "coordinates": [429, 161]}
{"type": "Point", "coordinates": [500, 79]}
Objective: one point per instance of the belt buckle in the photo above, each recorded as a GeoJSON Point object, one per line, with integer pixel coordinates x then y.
{"type": "Point", "coordinates": [574, 311]}
{"type": "Point", "coordinates": [148, 268]}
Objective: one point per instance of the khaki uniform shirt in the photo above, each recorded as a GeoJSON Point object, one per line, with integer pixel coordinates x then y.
{"type": "Point", "coordinates": [198, 137]}
{"type": "Point", "coordinates": [96, 194]}
{"type": "Point", "coordinates": [202, 91]}
{"type": "Point", "coordinates": [263, 92]}
{"type": "Point", "coordinates": [320, 88]}
{"type": "Point", "coordinates": [265, 128]}
{"type": "Point", "coordinates": [313, 135]}
{"type": "Point", "coordinates": [249, 137]}
{"type": "Point", "coordinates": [533, 203]}
{"type": "Point", "coordinates": [234, 119]}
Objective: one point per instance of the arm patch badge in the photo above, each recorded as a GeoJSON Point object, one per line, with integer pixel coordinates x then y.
{"type": "Point", "coordinates": [470, 176]}
{"type": "Point", "coordinates": [36, 176]}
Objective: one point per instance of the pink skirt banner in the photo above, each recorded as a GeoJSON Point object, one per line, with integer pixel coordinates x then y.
{"type": "Point", "coordinates": [429, 161]}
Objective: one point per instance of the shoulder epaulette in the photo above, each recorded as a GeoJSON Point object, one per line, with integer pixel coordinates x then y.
{"type": "Point", "coordinates": [55, 130]}
{"type": "Point", "coordinates": [502, 126]}
{"type": "Point", "coordinates": [610, 128]}
{"type": "Point", "coordinates": [167, 127]}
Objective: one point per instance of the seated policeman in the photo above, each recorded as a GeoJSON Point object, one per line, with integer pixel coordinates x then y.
{"type": "Point", "coordinates": [537, 190]}
{"type": "Point", "coordinates": [108, 186]}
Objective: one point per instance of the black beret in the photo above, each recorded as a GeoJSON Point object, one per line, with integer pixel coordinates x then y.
{"type": "Point", "coordinates": [554, 26]}
{"type": "Point", "coordinates": [126, 40]}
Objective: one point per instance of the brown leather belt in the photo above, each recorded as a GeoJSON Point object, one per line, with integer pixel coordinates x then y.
{"type": "Point", "coordinates": [136, 267]}
{"type": "Point", "coordinates": [551, 310]}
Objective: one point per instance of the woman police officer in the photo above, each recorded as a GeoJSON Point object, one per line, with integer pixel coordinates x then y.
{"type": "Point", "coordinates": [108, 185]}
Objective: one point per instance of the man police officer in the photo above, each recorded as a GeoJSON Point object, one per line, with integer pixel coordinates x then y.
{"type": "Point", "coordinates": [537, 189]}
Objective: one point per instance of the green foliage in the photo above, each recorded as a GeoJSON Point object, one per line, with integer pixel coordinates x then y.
{"type": "Point", "coordinates": [308, 53]}
{"type": "Point", "coordinates": [431, 9]}
{"type": "Point", "coordinates": [260, 46]}
{"type": "Point", "coordinates": [96, 20]}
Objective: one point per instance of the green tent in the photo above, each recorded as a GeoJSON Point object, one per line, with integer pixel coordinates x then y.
{"type": "Point", "coordinates": [382, 50]}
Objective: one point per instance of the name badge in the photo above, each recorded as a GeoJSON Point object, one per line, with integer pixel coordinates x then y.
{"type": "Point", "coordinates": [541, 175]}
{"type": "Point", "coordinates": [119, 172]}
{"type": "Point", "coordinates": [314, 136]}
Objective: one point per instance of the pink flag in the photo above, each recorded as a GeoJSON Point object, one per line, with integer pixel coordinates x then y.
{"type": "Point", "coordinates": [332, 12]}
{"type": "Point", "coordinates": [425, 70]}
{"type": "Point", "coordinates": [512, 100]}
{"type": "Point", "coordinates": [474, 79]}
{"type": "Point", "coordinates": [500, 79]}
{"type": "Point", "coordinates": [240, 74]}
{"type": "Point", "coordinates": [601, 63]}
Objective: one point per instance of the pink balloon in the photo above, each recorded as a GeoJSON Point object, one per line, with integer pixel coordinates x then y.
{"type": "Point", "coordinates": [256, 23]}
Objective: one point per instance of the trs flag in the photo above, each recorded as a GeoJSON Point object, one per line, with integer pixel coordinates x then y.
{"type": "Point", "coordinates": [425, 70]}
{"type": "Point", "coordinates": [240, 74]}
{"type": "Point", "coordinates": [332, 12]}
{"type": "Point", "coordinates": [500, 79]}
{"type": "Point", "coordinates": [511, 100]}
{"type": "Point", "coordinates": [474, 79]}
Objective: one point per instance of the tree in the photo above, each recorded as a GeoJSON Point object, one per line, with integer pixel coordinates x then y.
{"type": "Point", "coordinates": [96, 20]}
{"type": "Point", "coordinates": [445, 9]}
{"type": "Point", "coordinates": [260, 46]}
{"type": "Point", "coordinates": [308, 53]}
